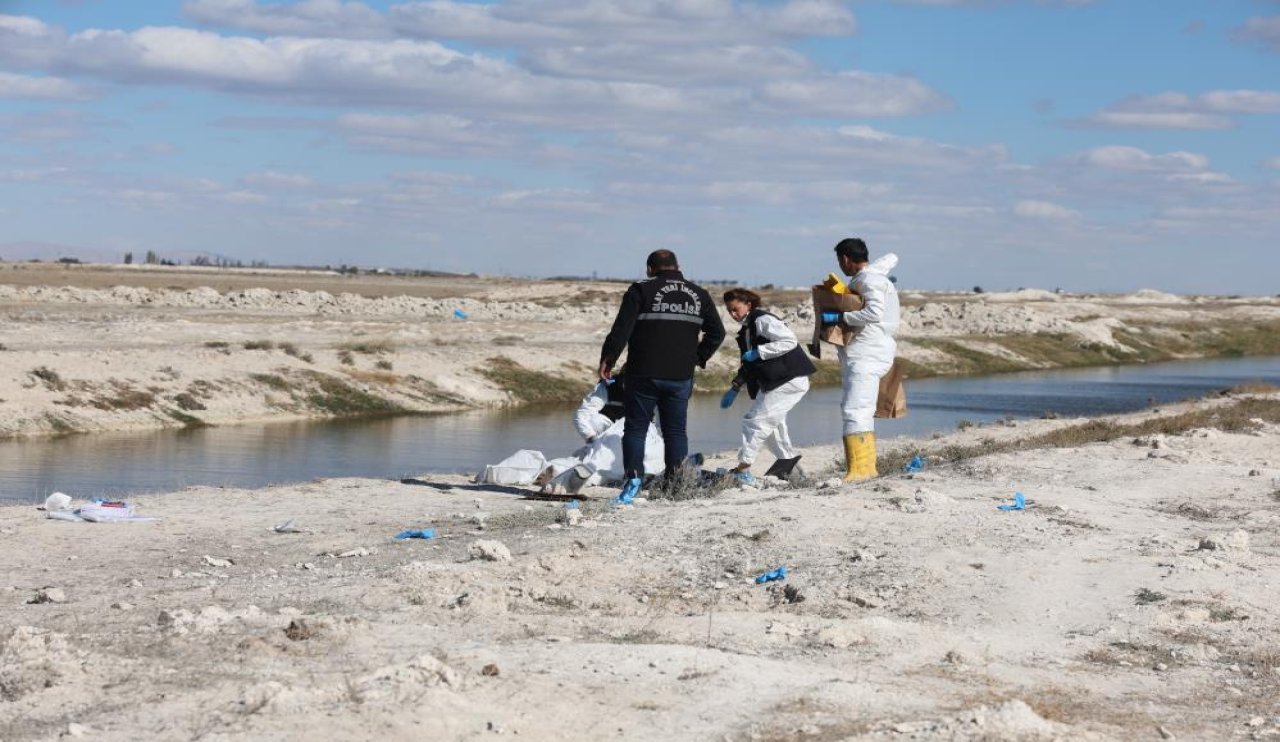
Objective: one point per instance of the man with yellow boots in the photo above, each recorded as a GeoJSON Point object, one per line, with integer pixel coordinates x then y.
{"type": "Point", "coordinates": [869, 354]}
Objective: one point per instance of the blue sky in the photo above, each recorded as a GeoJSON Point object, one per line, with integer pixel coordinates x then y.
{"type": "Point", "coordinates": [1092, 145]}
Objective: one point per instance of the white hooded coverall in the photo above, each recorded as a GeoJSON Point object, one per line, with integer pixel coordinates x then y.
{"type": "Point", "coordinates": [870, 353]}
{"type": "Point", "coordinates": [766, 421]}
{"type": "Point", "coordinates": [603, 452]}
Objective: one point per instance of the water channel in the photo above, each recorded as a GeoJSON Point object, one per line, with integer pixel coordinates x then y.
{"type": "Point", "coordinates": [117, 464]}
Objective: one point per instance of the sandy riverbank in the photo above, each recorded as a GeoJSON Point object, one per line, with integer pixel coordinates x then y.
{"type": "Point", "coordinates": [1133, 599]}
{"type": "Point", "coordinates": [91, 348]}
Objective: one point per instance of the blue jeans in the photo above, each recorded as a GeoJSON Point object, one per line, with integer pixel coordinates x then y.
{"type": "Point", "coordinates": [670, 397]}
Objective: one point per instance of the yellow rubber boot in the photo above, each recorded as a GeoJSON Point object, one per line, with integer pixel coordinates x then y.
{"type": "Point", "coordinates": [860, 456]}
{"type": "Point", "coordinates": [867, 456]}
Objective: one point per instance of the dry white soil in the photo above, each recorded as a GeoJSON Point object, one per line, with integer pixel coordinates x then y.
{"type": "Point", "coordinates": [1134, 599]}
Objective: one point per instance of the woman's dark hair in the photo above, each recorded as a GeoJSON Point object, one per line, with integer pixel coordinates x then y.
{"type": "Point", "coordinates": [750, 298]}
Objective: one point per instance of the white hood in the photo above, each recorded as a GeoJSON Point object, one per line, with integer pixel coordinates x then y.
{"type": "Point", "coordinates": [883, 264]}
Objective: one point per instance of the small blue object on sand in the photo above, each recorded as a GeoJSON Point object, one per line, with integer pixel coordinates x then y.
{"type": "Point", "coordinates": [917, 464]}
{"type": "Point", "coordinates": [417, 533]}
{"type": "Point", "coordinates": [458, 313]}
{"type": "Point", "coordinates": [1018, 503]}
{"type": "Point", "coordinates": [571, 505]}
{"type": "Point", "coordinates": [778, 574]}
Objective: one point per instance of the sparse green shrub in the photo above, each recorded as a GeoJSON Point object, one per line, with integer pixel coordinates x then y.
{"type": "Point", "coordinates": [259, 345]}
{"type": "Point", "coordinates": [1143, 596]}
{"type": "Point", "coordinates": [383, 365]}
{"type": "Point", "coordinates": [528, 385]}
{"type": "Point", "coordinates": [337, 397]}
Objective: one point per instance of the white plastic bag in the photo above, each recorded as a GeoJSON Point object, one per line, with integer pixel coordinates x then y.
{"type": "Point", "coordinates": [521, 467]}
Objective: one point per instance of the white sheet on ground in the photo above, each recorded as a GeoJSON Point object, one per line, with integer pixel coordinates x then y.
{"type": "Point", "coordinates": [602, 457]}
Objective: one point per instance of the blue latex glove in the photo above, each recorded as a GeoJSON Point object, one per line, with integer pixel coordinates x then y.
{"type": "Point", "coordinates": [751, 355]}
{"type": "Point", "coordinates": [916, 465]}
{"type": "Point", "coordinates": [778, 574]}
{"type": "Point", "coordinates": [830, 318]}
{"type": "Point", "coordinates": [727, 400]}
{"type": "Point", "coordinates": [1019, 503]}
{"type": "Point", "coordinates": [423, 533]}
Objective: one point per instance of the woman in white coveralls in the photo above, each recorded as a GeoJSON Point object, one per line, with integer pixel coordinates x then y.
{"type": "Point", "coordinates": [776, 373]}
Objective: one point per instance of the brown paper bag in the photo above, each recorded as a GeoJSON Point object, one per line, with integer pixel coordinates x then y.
{"type": "Point", "coordinates": [825, 300]}
{"type": "Point", "coordinates": [892, 401]}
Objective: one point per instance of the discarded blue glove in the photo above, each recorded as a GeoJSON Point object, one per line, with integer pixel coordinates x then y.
{"type": "Point", "coordinates": [751, 355]}
{"type": "Point", "coordinates": [917, 464]}
{"type": "Point", "coordinates": [727, 400]}
{"type": "Point", "coordinates": [417, 533]}
{"type": "Point", "coordinates": [459, 314]}
{"type": "Point", "coordinates": [778, 574]}
{"type": "Point", "coordinates": [1018, 503]}
{"type": "Point", "coordinates": [571, 505]}
{"type": "Point", "coordinates": [744, 477]}
{"type": "Point", "coordinates": [830, 318]}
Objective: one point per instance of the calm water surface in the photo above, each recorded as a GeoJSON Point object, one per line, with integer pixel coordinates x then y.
{"type": "Point", "coordinates": [114, 464]}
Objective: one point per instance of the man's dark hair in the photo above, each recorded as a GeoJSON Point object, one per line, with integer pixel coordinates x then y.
{"type": "Point", "coordinates": [662, 260]}
{"type": "Point", "coordinates": [853, 249]}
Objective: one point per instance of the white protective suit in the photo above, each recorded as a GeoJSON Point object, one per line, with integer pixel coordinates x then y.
{"type": "Point", "coordinates": [588, 420]}
{"type": "Point", "coordinates": [870, 353]}
{"type": "Point", "coordinates": [766, 421]}
{"type": "Point", "coordinates": [601, 459]}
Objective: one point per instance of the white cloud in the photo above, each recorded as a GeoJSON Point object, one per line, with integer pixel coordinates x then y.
{"type": "Point", "coordinates": [1205, 178]}
{"type": "Point", "coordinates": [1181, 111]}
{"type": "Point", "coordinates": [272, 180]}
{"type": "Point", "coordinates": [1242, 101]}
{"type": "Point", "coordinates": [700, 64]}
{"type": "Point", "coordinates": [434, 134]}
{"type": "Point", "coordinates": [1134, 159]}
{"type": "Point", "coordinates": [48, 88]}
{"type": "Point", "coordinates": [1159, 120]}
{"type": "Point", "coordinates": [306, 18]}
{"type": "Point", "coordinates": [987, 3]}
{"type": "Point", "coordinates": [525, 23]}
{"type": "Point", "coordinates": [855, 94]}
{"type": "Point", "coordinates": [1044, 210]}
{"type": "Point", "coordinates": [426, 74]}
{"type": "Point", "coordinates": [1263, 30]}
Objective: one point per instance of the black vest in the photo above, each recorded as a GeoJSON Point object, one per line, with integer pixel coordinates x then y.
{"type": "Point", "coordinates": [773, 373]}
{"type": "Point", "coordinates": [613, 408]}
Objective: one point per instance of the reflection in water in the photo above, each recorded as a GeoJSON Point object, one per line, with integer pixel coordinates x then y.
{"type": "Point", "coordinates": [255, 455]}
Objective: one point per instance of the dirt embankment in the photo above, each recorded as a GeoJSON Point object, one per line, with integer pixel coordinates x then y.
{"type": "Point", "coordinates": [101, 349]}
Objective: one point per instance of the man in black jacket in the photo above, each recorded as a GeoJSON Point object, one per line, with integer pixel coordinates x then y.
{"type": "Point", "coordinates": [659, 324]}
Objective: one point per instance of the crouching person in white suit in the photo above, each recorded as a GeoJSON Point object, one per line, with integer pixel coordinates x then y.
{"type": "Point", "coordinates": [599, 420]}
